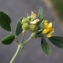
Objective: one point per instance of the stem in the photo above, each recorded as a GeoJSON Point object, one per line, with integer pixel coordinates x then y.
{"type": "Point", "coordinates": [22, 38]}
{"type": "Point", "coordinates": [32, 36]}
{"type": "Point", "coordinates": [16, 38]}
{"type": "Point", "coordinates": [17, 51]}
{"type": "Point", "coordinates": [21, 45]}
{"type": "Point", "coordinates": [10, 33]}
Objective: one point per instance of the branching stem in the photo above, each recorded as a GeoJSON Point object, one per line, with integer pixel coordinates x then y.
{"type": "Point", "coordinates": [21, 45]}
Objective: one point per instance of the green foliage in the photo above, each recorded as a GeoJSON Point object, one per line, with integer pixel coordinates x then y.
{"type": "Point", "coordinates": [8, 40]}
{"type": "Point", "coordinates": [41, 14]}
{"type": "Point", "coordinates": [57, 41]}
{"type": "Point", "coordinates": [41, 25]}
{"type": "Point", "coordinates": [45, 47]}
{"type": "Point", "coordinates": [40, 17]}
{"type": "Point", "coordinates": [5, 21]}
{"type": "Point", "coordinates": [18, 27]}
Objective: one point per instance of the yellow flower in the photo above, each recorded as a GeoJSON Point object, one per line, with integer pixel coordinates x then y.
{"type": "Point", "coordinates": [33, 15]}
{"type": "Point", "coordinates": [48, 29]}
{"type": "Point", "coordinates": [50, 33]}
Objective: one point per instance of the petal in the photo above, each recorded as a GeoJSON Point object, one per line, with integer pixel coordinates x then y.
{"type": "Point", "coordinates": [45, 23]}
{"type": "Point", "coordinates": [45, 31]}
{"type": "Point", "coordinates": [49, 25]}
{"type": "Point", "coordinates": [50, 33]}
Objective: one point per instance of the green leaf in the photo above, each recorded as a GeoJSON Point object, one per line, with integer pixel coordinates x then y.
{"type": "Point", "coordinates": [40, 17]}
{"type": "Point", "coordinates": [41, 14]}
{"type": "Point", "coordinates": [57, 41]}
{"type": "Point", "coordinates": [5, 21]}
{"type": "Point", "coordinates": [45, 47]}
{"type": "Point", "coordinates": [8, 40]}
{"type": "Point", "coordinates": [18, 27]}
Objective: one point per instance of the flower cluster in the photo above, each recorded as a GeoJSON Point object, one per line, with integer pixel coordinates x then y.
{"type": "Point", "coordinates": [47, 28]}
{"type": "Point", "coordinates": [30, 23]}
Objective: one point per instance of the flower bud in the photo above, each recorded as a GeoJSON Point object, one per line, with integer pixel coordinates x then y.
{"type": "Point", "coordinates": [29, 18]}
{"type": "Point", "coordinates": [24, 20]}
{"type": "Point", "coordinates": [32, 27]}
{"type": "Point", "coordinates": [25, 26]}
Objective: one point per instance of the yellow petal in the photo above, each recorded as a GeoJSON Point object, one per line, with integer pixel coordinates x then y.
{"type": "Point", "coordinates": [49, 25]}
{"type": "Point", "coordinates": [50, 33]}
{"type": "Point", "coordinates": [45, 23]}
{"type": "Point", "coordinates": [49, 36]}
{"type": "Point", "coordinates": [45, 31]}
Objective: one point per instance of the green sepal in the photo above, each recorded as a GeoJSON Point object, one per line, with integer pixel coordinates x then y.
{"type": "Point", "coordinates": [45, 47]}
{"type": "Point", "coordinates": [8, 39]}
{"type": "Point", "coordinates": [18, 27]}
{"type": "Point", "coordinates": [5, 21]}
{"type": "Point", "coordinates": [57, 41]}
{"type": "Point", "coordinates": [41, 14]}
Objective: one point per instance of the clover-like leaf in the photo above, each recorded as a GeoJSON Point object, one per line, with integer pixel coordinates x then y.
{"type": "Point", "coordinates": [18, 27]}
{"type": "Point", "coordinates": [5, 21]}
{"type": "Point", "coordinates": [41, 14]}
{"type": "Point", "coordinates": [8, 40]}
{"type": "Point", "coordinates": [45, 47]}
{"type": "Point", "coordinates": [57, 41]}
